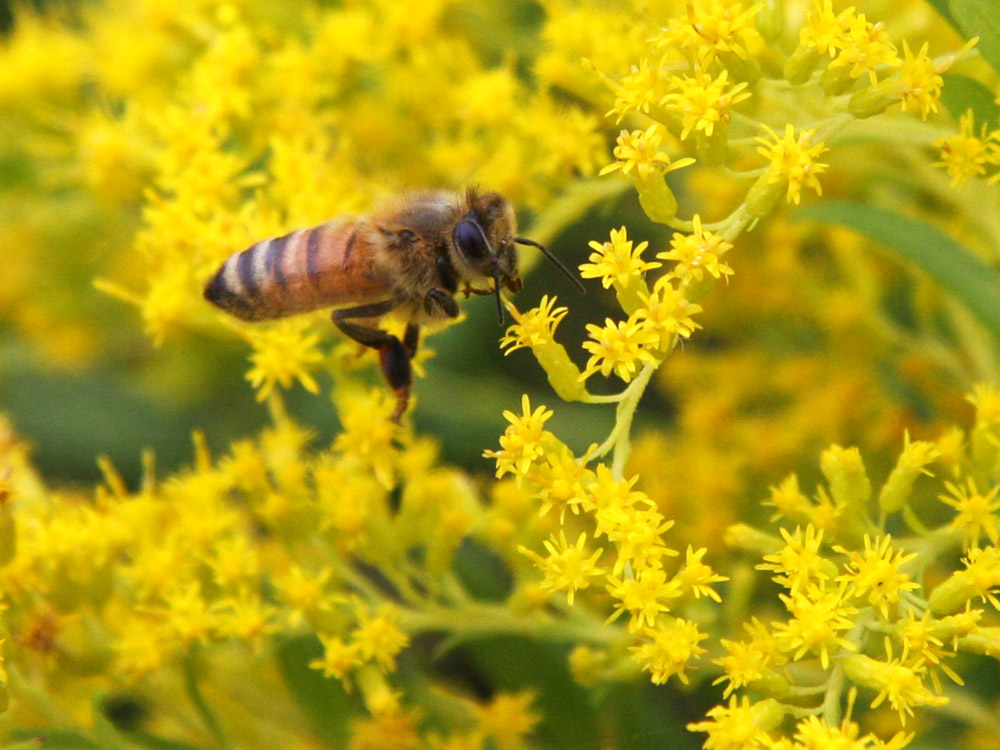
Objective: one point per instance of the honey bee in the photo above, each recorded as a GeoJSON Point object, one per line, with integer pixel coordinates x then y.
{"type": "Point", "coordinates": [412, 257]}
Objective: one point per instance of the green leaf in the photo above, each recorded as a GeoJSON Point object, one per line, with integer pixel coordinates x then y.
{"type": "Point", "coordinates": [322, 700]}
{"type": "Point", "coordinates": [980, 18]}
{"type": "Point", "coordinates": [961, 93]}
{"type": "Point", "coordinates": [50, 739]}
{"type": "Point", "coordinates": [971, 281]}
{"type": "Point", "coordinates": [941, 6]}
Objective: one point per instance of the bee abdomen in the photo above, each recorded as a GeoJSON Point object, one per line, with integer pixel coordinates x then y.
{"type": "Point", "coordinates": [269, 280]}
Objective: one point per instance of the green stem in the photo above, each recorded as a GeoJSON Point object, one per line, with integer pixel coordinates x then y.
{"type": "Point", "coordinates": [618, 441]}
{"type": "Point", "coordinates": [623, 417]}
{"type": "Point", "coordinates": [477, 620]}
{"type": "Point", "coordinates": [38, 700]}
{"type": "Point", "coordinates": [198, 701]}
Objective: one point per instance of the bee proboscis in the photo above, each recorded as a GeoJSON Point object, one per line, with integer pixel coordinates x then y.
{"type": "Point", "coordinates": [412, 257]}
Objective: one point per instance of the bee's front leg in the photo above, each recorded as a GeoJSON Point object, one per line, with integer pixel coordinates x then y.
{"type": "Point", "coordinates": [439, 300]}
{"type": "Point", "coordinates": [394, 355]}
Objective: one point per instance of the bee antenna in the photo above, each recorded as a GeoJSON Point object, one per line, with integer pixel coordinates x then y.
{"type": "Point", "coordinates": [496, 287]}
{"type": "Point", "coordinates": [554, 259]}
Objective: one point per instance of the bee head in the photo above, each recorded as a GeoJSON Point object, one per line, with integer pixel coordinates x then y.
{"type": "Point", "coordinates": [485, 239]}
{"type": "Point", "coordinates": [485, 244]}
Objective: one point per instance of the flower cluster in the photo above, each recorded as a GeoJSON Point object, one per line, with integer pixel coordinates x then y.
{"type": "Point", "coordinates": [339, 583]}
{"type": "Point", "coordinates": [881, 615]}
{"type": "Point", "coordinates": [621, 529]}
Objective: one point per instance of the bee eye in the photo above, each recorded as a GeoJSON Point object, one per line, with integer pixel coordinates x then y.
{"type": "Point", "coordinates": [470, 239]}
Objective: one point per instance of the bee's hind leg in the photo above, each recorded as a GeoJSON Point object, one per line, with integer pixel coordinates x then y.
{"type": "Point", "coordinates": [394, 355]}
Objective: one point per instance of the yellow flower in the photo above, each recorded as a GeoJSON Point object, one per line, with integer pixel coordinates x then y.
{"type": "Point", "coordinates": [709, 29]}
{"type": "Point", "coordinates": [507, 720]}
{"type": "Point", "coordinates": [521, 443]}
{"type": "Point", "coordinates": [639, 152]}
{"type": "Point", "coordinates": [793, 161]}
{"type": "Point", "coordinates": [977, 512]}
{"type": "Point", "coordinates": [921, 84]}
{"type": "Point", "coordinates": [818, 615]}
{"type": "Point", "coordinates": [618, 347]}
{"type": "Point", "coordinates": [668, 649]}
{"type": "Point", "coordinates": [702, 102]}
{"type": "Point", "coordinates": [964, 155]}
{"type": "Point", "coordinates": [379, 638]}
{"type": "Point", "coordinates": [617, 262]}
{"type": "Point", "coordinates": [645, 597]}
{"type": "Point", "coordinates": [697, 577]}
{"type": "Point", "coordinates": [877, 573]}
{"type": "Point", "coordinates": [535, 327]}
{"type": "Point", "coordinates": [282, 353]}
{"type": "Point", "coordinates": [799, 563]}
{"type": "Point", "coordinates": [696, 253]}
{"type": "Point", "coordinates": [567, 568]}
{"type": "Point", "coordinates": [339, 657]}
{"type": "Point", "coordinates": [897, 681]}
{"type": "Point", "coordinates": [825, 31]}
{"type": "Point", "coordinates": [666, 313]}
{"type": "Point", "coordinates": [740, 725]}
{"type": "Point", "coordinates": [865, 48]}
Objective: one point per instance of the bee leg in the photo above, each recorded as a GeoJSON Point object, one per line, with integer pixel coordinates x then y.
{"type": "Point", "coordinates": [394, 356]}
{"type": "Point", "coordinates": [439, 299]}
{"type": "Point", "coordinates": [411, 339]}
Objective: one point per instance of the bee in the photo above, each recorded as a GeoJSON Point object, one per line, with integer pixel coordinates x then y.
{"type": "Point", "coordinates": [411, 257]}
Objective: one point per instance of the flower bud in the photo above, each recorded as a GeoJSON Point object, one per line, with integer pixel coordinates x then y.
{"type": "Point", "coordinates": [656, 197]}
{"type": "Point", "coordinates": [874, 100]}
{"type": "Point", "coordinates": [952, 594]}
{"type": "Point", "coordinates": [764, 194]}
{"type": "Point", "coordinates": [836, 80]}
{"type": "Point", "coordinates": [711, 149]}
{"type": "Point", "coordinates": [770, 21]}
{"type": "Point", "coordinates": [562, 372]}
{"type": "Point", "coordinates": [801, 64]}
{"type": "Point", "coordinates": [845, 473]}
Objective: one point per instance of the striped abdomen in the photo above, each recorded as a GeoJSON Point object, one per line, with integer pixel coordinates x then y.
{"type": "Point", "coordinates": [326, 266]}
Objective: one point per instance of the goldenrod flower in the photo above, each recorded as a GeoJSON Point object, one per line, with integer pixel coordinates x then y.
{"type": "Point", "coordinates": [619, 347]}
{"type": "Point", "coordinates": [818, 615]}
{"type": "Point", "coordinates": [668, 649]}
{"type": "Point", "coordinates": [965, 155]}
{"type": "Point", "coordinates": [702, 102]}
{"type": "Point", "coordinates": [865, 48]}
{"type": "Point", "coordinates": [877, 573]}
{"type": "Point", "coordinates": [639, 152]}
{"type": "Point", "coordinates": [645, 597]}
{"type": "Point", "coordinates": [740, 725]}
{"type": "Point", "coordinates": [897, 680]}
{"type": "Point", "coordinates": [281, 354]}
{"type": "Point", "coordinates": [709, 29]}
{"type": "Point", "coordinates": [799, 563]}
{"type": "Point", "coordinates": [696, 253]}
{"type": "Point", "coordinates": [339, 656]}
{"type": "Point", "coordinates": [977, 512]}
{"type": "Point", "coordinates": [793, 161]}
{"type": "Point", "coordinates": [825, 31]}
{"type": "Point", "coordinates": [507, 720]}
{"type": "Point", "coordinates": [379, 638]}
{"type": "Point", "coordinates": [535, 327]}
{"type": "Point", "coordinates": [521, 443]}
{"type": "Point", "coordinates": [788, 500]}
{"type": "Point", "coordinates": [921, 84]}
{"type": "Point", "coordinates": [617, 262]}
{"type": "Point", "coordinates": [638, 91]}
{"type": "Point", "coordinates": [666, 313]}
{"type": "Point", "coordinates": [697, 577]}
{"type": "Point", "coordinates": [567, 567]}
{"type": "Point", "coordinates": [986, 398]}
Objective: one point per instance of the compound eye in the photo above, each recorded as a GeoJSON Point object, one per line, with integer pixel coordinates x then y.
{"type": "Point", "coordinates": [470, 239]}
